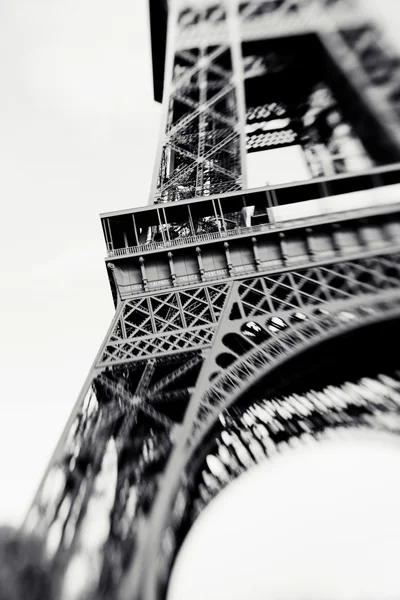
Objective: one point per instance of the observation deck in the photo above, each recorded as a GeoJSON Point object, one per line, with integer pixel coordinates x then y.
{"type": "Point", "coordinates": [173, 244]}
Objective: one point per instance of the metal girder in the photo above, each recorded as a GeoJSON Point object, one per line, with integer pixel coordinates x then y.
{"type": "Point", "coordinates": [146, 377]}
{"type": "Point", "coordinates": [187, 170]}
{"type": "Point", "coordinates": [171, 377]}
{"type": "Point", "coordinates": [192, 156]}
{"type": "Point", "coordinates": [186, 120]}
{"type": "Point", "coordinates": [180, 81]}
{"type": "Point", "coordinates": [207, 65]}
{"type": "Point", "coordinates": [189, 324]}
{"type": "Point", "coordinates": [196, 90]}
{"type": "Point", "coordinates": [200, 108]}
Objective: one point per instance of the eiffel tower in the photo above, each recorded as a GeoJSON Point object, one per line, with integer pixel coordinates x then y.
{"type": "Point", "coordinates": [256, 301]}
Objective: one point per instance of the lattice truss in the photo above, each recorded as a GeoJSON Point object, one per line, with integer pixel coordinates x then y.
{"type": "Point", "coordinates": [165, 323]}
{"type": "Point", "coordinates": [129, 418]}
{"type": "Point", "coordinates": [201, 151]}
{"type": "Point", "coordinates": [272, 317]}
{"type": "Point", "coordinates": [114, 453]}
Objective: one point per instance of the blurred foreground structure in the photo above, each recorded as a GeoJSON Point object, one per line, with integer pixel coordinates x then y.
{"type": "Point", "coordinates": [257, 294]}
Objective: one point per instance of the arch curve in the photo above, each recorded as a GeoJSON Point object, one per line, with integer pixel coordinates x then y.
{"type": "Point", "coordinates": [375, 326]}
{"type": "Point", "coordinates": [278, 349]}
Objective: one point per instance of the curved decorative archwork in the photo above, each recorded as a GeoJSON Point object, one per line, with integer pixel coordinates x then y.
{"type": "Point", "coordinates": [283, 314]}
{"type": "Point", "coordinates": [257, 422]}
{"type": "Point", "coordinates": [280, 347]}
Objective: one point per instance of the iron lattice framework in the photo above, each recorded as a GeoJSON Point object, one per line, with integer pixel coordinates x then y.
{"type": "Point", "coordinates": [220, 352]}
{"type": "Point", "coordinates": [162, 324]}
{"type": "Point", "coordinates": [204, 145]}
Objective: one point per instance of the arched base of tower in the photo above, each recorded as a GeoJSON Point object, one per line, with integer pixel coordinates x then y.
{"type": "Point", "coordinates": [320, 522]}
{"type": "Point", "coordinates": [345, 387]}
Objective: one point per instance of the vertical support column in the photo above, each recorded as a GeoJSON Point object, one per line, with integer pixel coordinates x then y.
{"type": "Point", "coordinates": [151, 314]}
{"type": "Point", "coordinates": [335, 240]}
{"type": "Point", "coordinates": [161, 225]}
{"type": "Point", "coordinates": [167, 224]}
{"type": "Point", "coordinates": [270, 206]}
{"type": "Point", "coordinates": [111, 268]}
{"type": "Point", "coordinates": [123, 326]}
{"type": "Point", "coordinates": [238, 80]}
{"type": "Point", "coordinates": [143, 272]}
{"type": "Point", "coordinates": [360, 232]}
{"type": "Point", "coordinates": [228, 258]}
{"type": "Point", "coordinates": [172, 267]}
{"type": "Point", "coordinates": [256, 253]}
{"type": "Point", "coordinates": [191, 223]}
{"type": "Point", "coordinates": [110, 234]}
{"type": "Point", "coordinates": [210, 306]}
{"type": "Point", "coordinates": [200, 261]}
{"type": "Point", "coordinates": [216, 214]}
{"type": "Point", "coordinates": [283, 247]}
{"type": "Point", "coordinates": [181, 310]}
{"type": "Point", "coordinates": [202, 82]}
{"type": "Point", "coordinates": [310, 249]}
{"type": "Point", "coordinates": [222, 214]}
{"type": "Point", "coordinates": [135, 230]}
{"type": "Point", "coordinates": [105, 231]}
{"type": "Point", "coordinates": [168, 85]}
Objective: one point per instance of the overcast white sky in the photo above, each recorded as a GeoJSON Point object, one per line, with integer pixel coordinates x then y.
{"type": "Point", "coordinates": [78, 134]}
{"type": "Point", "coordinates": [320, 523]}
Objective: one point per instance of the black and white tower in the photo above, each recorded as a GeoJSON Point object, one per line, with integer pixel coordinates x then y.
{"type": "Point", "coordinates": [257, 293]}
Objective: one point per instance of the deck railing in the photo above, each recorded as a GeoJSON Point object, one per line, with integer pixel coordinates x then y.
{"type": "Point", "coordinates": [265, 227]}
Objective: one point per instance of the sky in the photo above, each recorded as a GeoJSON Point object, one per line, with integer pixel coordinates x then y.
{"type": "Point", "coordinates": [320, 523]}
{"type": "Point", "coordinates": [79, 129]}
